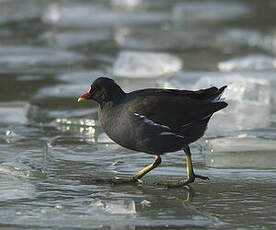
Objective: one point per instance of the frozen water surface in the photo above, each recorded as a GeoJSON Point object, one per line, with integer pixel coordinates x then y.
{"type": "Point", "coordinates": [56, 162]}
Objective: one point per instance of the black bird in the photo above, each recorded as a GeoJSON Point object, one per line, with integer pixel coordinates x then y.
{"type": "Point", "coordinates": [155, 121]}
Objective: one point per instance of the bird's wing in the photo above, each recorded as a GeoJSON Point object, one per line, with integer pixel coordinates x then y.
{"type": "Point", "coordinates": [174, 108]}
{"type": "Point", "coordinates": [153, 137]}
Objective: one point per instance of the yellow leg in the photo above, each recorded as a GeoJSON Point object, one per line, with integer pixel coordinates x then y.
{"type": "Point", "coordinates": [140, 174]}
{"type": "Point", "coordinates": [190, 171]}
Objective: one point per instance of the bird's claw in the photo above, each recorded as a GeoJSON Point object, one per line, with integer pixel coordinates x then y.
{"type": "Point", "coordinates": [183, 182]}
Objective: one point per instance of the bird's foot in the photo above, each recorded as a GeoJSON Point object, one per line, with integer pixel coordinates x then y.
{"type": "Point", "coordinates": [124, 180]}
{"type": "Point", "coordinates": [183, 182]}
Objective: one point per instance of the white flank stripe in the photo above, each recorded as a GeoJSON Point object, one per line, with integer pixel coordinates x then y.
{"type": "Point", "coordinates": [150, 122]}
{"type": "Point", "coordinates": [167, 133]}
{"type": "Point", "coordinates": [186, 125]}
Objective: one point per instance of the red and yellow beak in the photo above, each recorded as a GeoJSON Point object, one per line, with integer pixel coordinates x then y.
{"type": "Point", "coordinates": [85, 96]}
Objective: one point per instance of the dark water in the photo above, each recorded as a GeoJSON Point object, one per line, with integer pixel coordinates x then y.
{"type": "Point", "coordinates": [54, 156]}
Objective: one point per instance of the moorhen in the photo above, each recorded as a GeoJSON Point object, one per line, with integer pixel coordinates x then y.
{"type": "Point", "coordinates": [155, 121]}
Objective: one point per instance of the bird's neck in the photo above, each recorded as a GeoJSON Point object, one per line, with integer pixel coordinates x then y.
{"type": "Point", "coordinates": [114, 97]}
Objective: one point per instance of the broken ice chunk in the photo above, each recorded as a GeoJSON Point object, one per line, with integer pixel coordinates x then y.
{"type": "Point", "coordinates": [248, 99]}
{"type": "Point", "coordinates": [240, 116]}
{"type": "Point", "coordinates": [89, 15]}
{"type": "Point", "coordinates": [145, 64]}
{"type": "Point", "coordinates": [13, 112]}
{"type": "Point", "coordinates": [253, 62]}
{"type": "Point", "coordinates": [121, 207]}
{"type": "Point", "coordinates": [126, 4]}
{"type": "Point", "coordinates": [242, 151]}
{"type": "Point", "coordinates": [116, 207]}
{"type": "Point", "coordinates": [239, 88]}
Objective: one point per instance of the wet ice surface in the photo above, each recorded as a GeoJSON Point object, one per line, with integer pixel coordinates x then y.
{"type": "Point", "coordinates": [55, 159]}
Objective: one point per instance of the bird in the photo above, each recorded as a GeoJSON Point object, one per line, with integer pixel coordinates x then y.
{"type": "Point", "coordinates": [155, 121]}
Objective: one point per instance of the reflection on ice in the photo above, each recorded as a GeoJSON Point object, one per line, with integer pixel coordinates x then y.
{"type": "Point", "coordinates": [253, 62]}
{"type": "Point", "coordinates": [89, 128]}
{"type": "Point", "coordinates": [242, 151]}
{"type": "Point", "coordinates": [77, 121]}
{"type": "Point", "coordinates": [132, 64]}
{"type": "Point", "coordinates": [20, 170]}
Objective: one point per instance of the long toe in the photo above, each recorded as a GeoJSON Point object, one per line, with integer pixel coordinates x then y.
{"type": "Point", "coordinates": [179, 183]}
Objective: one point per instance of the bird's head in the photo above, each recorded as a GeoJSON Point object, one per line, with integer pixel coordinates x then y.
{"type": "Point", "coordinates": [102, 90]}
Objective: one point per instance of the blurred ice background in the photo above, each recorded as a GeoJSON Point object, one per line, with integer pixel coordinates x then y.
{"type": "Point", "coordinates": [53, 150]}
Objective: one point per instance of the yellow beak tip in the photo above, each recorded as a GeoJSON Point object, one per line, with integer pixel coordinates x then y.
{"type": "Point", "coordinates": [81, 99]}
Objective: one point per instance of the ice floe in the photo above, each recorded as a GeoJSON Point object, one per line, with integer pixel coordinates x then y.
{"type": "Point", "coordinates": [252, 62]}
{"type": "Point", "coordinates": [21, 56]}
{"type": "Point", "coordinates": [249, 102]}
{"type": "Point", "coordinates": [91, 15]}
{"type": "Point", "coordinates": [121, 207]}
{"type": "Point", "coordinates": [134, 64]}
{"type": "Point", "coordinates": [75, 37]}
{"type": "Point", "coordinates": [14, 112]}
